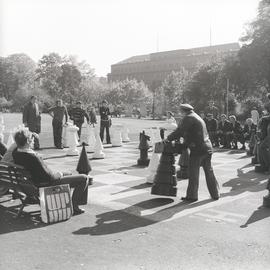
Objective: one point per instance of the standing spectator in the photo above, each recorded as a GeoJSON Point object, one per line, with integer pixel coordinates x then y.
{"type": "Point", "coordinates": [255, 116]}
{"type": "Point", "coordinates": [77, 114]}
{"type": "Point", "coordinates": [236, 134]}
{"type": "Point", "coordinates": [193, 129]}
{"type": "Point", "coordinates": [224, 129]}
{"type": "Point", "coordinates": [92, 116]}
{"type": "Point", "coordinates": [212, 125]}
{"type": "Point", "coordinates": [32, 119]}
{"type": "Point", "coordinates": [58, 112]}
{"type": "Point", "coordinates": [105, 121]}
{"type": "Point", "coordinates": [211, 108]}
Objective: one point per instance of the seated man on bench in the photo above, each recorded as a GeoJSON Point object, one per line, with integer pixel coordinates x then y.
{"type": "Point", "coordinates": [42, 176]}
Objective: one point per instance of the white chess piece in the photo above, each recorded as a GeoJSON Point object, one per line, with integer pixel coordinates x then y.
{"type": "Point", "coordinates": [91, 139]}
{"type": "Point", "coordinates": [65, 135]}
{"type": "Point", "coordinates": [98, 147]}
{"type": "Point", "coordinates": [152, 168]}
{"type": "Point", "coordinates": [72, 140]}
{"type": "Point", "coordinates": [125, 132]}
{"type": "Point", "coordinates": [116, 135]}
{"type": "Point", "coordinates": [10, 139]}
{"type": "Point", "coordinates": [2, 128]}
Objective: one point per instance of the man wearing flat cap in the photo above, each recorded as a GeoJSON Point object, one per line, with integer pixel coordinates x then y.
{"type": "Point", "coordinates": [193, 129]}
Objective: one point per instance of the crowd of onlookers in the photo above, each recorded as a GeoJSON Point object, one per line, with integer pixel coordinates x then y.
{"type": "Point", "coordinates": [228, 132]}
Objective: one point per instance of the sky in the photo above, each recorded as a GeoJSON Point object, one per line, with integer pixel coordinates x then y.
{"type": "Point", "coordinates": [104, 32]}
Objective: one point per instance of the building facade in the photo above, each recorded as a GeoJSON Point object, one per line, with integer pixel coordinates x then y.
{"type": "Point", "coordinates": [153, 68]}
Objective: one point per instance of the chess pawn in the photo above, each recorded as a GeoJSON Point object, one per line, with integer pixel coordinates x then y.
{"type": "Point", "coordinates": [72, 140]}
{"type": "Point", "coordinates": [91, 139]}
{"type": "Point", "coordinates": [116, 135]}
{"type": "Point", "coordinates": [125, 132]}
{"type": "Point", "coordinates": [10, 139]}
{"type": "Point", "coordinates": [98, 151]}
{"type": "Point", "coordinates": [83, 166]}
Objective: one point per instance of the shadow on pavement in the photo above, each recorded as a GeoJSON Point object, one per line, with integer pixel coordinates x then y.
{"type": "Point", "coordinates": [10, 223]}
{"type": "Point", "coordinates": [250, 181]}
{"type": "Point", "coordinates": [130, 217]}
{"type": "Point", "coordinates": [257, 215]}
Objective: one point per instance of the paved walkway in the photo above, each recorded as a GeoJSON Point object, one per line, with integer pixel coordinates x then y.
{"type": "Point", "coordinates": [125, 227]}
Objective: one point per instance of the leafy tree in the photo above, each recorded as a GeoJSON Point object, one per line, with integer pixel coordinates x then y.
{"type": "Point", "coordinates": [173, 88]}
{"type": "Point", "coordinates": [16, 71]}
{"type": "Point", "coordinates": [127, 92]}
{"type": "Point", "coordinates": [69, 82]}
{"type": "Point", "coordinates": [48, 72]}
{"type": "Point", "coordinates": [256, 49]}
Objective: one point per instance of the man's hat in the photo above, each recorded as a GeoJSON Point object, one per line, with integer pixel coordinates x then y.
{"type": "Point", "coordinates": [209, 114]}
{"type": "Point", "coordinates": [79, 102]}
{"type": "Point", "coordinates": [186, 107]}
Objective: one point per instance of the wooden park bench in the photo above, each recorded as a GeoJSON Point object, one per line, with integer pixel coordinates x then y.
{"type": "Point", "coordinates": [19, 183]}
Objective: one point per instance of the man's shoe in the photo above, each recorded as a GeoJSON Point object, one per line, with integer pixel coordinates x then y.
{"type": "Point", "coordinates": [186, 199]}
{"type": "Point", "coordinates": [78, 211]}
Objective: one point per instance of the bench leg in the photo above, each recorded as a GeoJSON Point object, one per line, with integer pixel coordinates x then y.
{"type": "Point", "coordinates": [20, 211]}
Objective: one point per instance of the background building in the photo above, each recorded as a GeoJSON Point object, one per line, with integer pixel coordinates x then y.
{"type": "Point", "coordinates": [155, 67]}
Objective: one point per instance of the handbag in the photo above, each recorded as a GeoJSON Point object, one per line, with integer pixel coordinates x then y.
{"type": "Point", "coordinates": [55, 203]}
{"type": "Point", "coordinates": [159, 147]}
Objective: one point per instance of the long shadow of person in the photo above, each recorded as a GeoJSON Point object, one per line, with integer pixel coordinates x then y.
{"type": "Point", "coordinates": [259, 214]}
{"type": "Point", "coordinates": [131, 218]}
{"type": "Point", "coordinates": [249, 181]}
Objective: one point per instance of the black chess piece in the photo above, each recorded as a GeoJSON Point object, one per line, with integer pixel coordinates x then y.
{"type": "Point", "coordinates": [84, 166]}
{"type": "Point", "coordinates": [143, 146]}
{"type": "Point", "coordinates": [165, 179]}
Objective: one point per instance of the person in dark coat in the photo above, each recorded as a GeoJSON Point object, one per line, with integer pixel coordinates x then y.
{"type": "Point", "coordinates": [58, 113]}
{"type": "Point", "coordinates": [3, 149]}
{"type": "Point", "coordinates": [92, 116]}
{"type": "Point", "coordinates": [105, 121]}
{"type": "Point", "coordinates": [42, 176]}
{"type": "Point", "coordinates": [78, 114]}
{"type": "Point", "coordinates": [193, 129]}
{"type": "Point", "coordinates": [212, 125]}
{"type": "Point", "coordinates": [32, 119]}
{"type": "Point", "coordinates": [211, 108]}
{"type": "Point", "coordinates": [224, 129]}
{"type": "Point", "coordinates": [236, 135]}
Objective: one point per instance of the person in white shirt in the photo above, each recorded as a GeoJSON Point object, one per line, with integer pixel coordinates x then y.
{"type": "Point", "coordinates": [255, 115]}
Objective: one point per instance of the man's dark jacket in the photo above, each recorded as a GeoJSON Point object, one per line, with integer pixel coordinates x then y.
{"type": "Point", "coordinates": [193, 129]}
{"type": "Point", "coordinates": [31, 116]}
{"type": "Point", "coordinates": [225, 126]}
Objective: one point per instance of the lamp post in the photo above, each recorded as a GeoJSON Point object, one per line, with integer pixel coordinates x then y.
{"type": "Point", "coordinates": [227, 97]}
